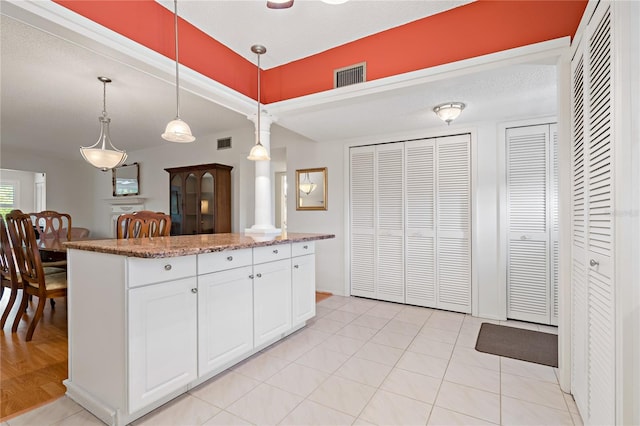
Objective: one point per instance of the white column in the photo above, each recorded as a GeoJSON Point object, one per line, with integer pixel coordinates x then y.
{"type": "Point", "coordinates": [263, 210]}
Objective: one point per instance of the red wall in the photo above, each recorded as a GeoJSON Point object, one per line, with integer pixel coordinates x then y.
{"type": "Point", "coordinates": [479, 28]}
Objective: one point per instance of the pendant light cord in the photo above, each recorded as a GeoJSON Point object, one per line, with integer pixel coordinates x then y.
{"type": "Point", "coordinates": [175, 3]}
{"type": "Point", "coordinates": [259, 114]}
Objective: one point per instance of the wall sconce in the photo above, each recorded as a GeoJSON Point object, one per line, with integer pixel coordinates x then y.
{"type": "Point", "coordinates": [449, 111]}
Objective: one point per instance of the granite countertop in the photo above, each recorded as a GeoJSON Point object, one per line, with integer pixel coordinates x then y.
{"type": "Point", "coordinates": [184, 245]}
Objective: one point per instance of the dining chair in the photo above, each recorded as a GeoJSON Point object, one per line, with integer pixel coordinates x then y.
{"type": "Point", "coordinates": [8, 273]}
{"type": "Point", "coordinates": [34, 281]}
{"type": "Point", "coordinates": [51, 223]}
{"type": "Point", "coordinates": [144, 223]}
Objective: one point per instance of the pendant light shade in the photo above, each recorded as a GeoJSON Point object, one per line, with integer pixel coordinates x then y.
{"type": "Point", "coordinates": [258, 152]}
{"type": "Point", "coordinates": [177, 130]}
{"type": "Point", "coordinates": [103, 155]}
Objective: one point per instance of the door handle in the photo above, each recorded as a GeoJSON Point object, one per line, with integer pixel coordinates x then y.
{"type": "Point", "coordinates": [525, 237]}
{"type": "Point", "coordinates": [594, 263]}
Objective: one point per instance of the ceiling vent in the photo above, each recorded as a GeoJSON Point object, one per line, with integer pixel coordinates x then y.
{"type": "Point", "coordinates": [350, 75]}
{"type": "Point", "coordinates": [224, 143]}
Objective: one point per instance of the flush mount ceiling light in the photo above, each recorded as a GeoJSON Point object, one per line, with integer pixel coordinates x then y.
{"type": "Point", "coordinates": [449, 111]}
{"type": "Point", "coordinates": [279, 4]}
{"type": "Point", "coordinates": [258, 152]}
{"type": "Point", "coordinates": [177, 130]}
{"type": "Point", "coordinates": [101, 157]}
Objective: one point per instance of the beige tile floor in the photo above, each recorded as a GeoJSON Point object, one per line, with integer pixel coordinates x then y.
{"type": "Point", "coordinates": [363, 362]}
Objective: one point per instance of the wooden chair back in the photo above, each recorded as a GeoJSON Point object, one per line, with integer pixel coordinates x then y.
{"type": "Point", "coordinates": [8, 273]}
{"type": "Point", "coordinates": [53, 224]}
{"type": "Point", "coordinates": [144, 223]}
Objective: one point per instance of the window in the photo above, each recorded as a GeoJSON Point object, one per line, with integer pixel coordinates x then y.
{"type": "Point", "coordinates": [9, 196]}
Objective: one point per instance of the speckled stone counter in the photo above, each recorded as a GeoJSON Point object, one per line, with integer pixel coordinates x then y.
{"type": "Point", "coordinates": [188, 244]}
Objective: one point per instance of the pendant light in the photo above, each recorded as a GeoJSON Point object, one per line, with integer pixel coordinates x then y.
{"type": "Point", "coordinates": [97, 154]}
{"type": "Point", "coordinates": [279, 4]}
{"type": "Point", "coordinates": [177, 130]}
{"type": "Point", "coordinates": [307, 186]}
{"type": "Point", "coordinates": [258, 152]}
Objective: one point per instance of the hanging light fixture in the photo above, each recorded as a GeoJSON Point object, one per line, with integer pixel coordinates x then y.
{"type": "Point", "coordinates": [307, 186]}
{"type": "Point", "coordinates": [101, 157]}
{"type": "Point", "coordinates": [449, 111]}
{"type": "Point", "coordinates": [177, 130]}
{"type": "Point", "coordinates": [279, 4]}
{"type": "Point", "coordinates": [258, 152]}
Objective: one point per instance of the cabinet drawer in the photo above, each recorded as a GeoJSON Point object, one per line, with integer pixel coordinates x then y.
{"type": "Point", "coordinates": [271, 253]}
{"type": "Point", "coordinates": [147, 271]}
{"type": "Point", "coordinates": [302, 248]}
{"type": "Point", "coordinates": [222, 260]}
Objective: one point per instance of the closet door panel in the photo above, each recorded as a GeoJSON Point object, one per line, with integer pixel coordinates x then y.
{"type": "Point", "coordinates": [362, 218]}
{"type": "Point", "coordinates": [453, 218]}
{"type": "Point", "coordinates": [528, 269]}
{"type": "Point", "coordinates": [420, 269]}
{"type": "Point", "coordinates": [390, 222]}
{"type": "Point", "coordinates": [553, 220]}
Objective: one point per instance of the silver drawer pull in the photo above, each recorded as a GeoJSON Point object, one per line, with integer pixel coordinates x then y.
{"type": "Point", "coordinates": [275, 251]}
{"type": "Point", "coordinates": [167, 267]}
{"type": "Point", "coordinates": [259, 275]}
{"type": "Point", "coordinates": [594, 262]}
{"type": "Point", "coordinates": [296, 266]}
{"type": "Point", "coordinates": [305, 247]}
{"type": "Point", "coordinates": [194, 290]}
{"type": "Point", "coordinates": [229, 258]}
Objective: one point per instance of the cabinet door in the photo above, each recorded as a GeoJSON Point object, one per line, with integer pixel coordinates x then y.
{"type": "Point", "coordinates": [272, 300]}
{"type": "Point", "coordinates": [162, 340]}
{"type": "Point", "coordinates": [207, 204]}
{"type": "Point", "coordinates": [191, 204]}
{"type": "Point", "coordinates": [225, 317]}
{"type": "Point", "coordinates": [303, 277]}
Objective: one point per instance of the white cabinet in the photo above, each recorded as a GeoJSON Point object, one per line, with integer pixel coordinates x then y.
{"type": "Point", "coordinates": [271, 300]}
{"type": "Point", "coordinates": [303, 282]}
{"type": "Point", "coordinates": [225, 317]}
{"type": "Point", "coordinates": [162, 340]}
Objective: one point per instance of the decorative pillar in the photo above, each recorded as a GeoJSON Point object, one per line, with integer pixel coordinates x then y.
{"type": "Point", "coordinates": [263, 217]}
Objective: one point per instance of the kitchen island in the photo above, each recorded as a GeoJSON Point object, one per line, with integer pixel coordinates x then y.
{"type": "Point", "coordinates": [151, 318]}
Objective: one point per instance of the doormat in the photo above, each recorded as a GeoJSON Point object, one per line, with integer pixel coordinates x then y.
{"type": "Point", "coordinates": [518, 343]}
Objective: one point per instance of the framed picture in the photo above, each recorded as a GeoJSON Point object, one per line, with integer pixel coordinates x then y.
{"type": "Point", "coordinates": [311, 185]}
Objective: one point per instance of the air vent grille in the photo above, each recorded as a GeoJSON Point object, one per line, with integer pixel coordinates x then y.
{"type": "Point", "coordinates": [224, 143]}
{"type": "Point", "coordinates": [350, 75]}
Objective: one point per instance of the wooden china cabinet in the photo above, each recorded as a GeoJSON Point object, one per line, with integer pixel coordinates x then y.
{"type": "Point", "coordinates": [200, 199]}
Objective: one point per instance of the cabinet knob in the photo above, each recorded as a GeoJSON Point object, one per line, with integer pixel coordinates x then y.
{"type": "Point", "coordinates": [194, 290]}
{"type": "Point", "coordinates": [594, 262]}
{"type": "Point", "coordinates": [275, 251]}
{"type": "Point", "coordinates": [259, 275]}
{"type": "Point", "coordinates": [167, 267]}
{"type": "Point", "coordinates": [229, 258]}
{"type": "Point", "coordinates": [305, 247]}
{"type": "Point", "coordinates": [251, 276]}
{"type": "Point", "coordinates": [296, 266]}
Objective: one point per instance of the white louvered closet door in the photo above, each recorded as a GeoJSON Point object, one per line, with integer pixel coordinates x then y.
{"type": "Point", "coordinates": [578, 236]}
{"type": "Point", "coordinates": [362, 218]}
{"type": "Point", "coordinates": [420, 218]}
{"type": "Point", "coordinates": [598, 160]}
{"type": "Point", "coordinates": [390, 222]}
{"type": "Point", "coordinates": [453, 219]}
{"type": "Point", "coordinates": [528, 272]}
{"type": "Point", "coordinates": [554, 220]}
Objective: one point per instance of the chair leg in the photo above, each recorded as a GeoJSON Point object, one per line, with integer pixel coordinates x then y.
{"type": "Point", "coordinates": [23, 307]}
{"type": "Point", "coordinates": [7, 310]}
{"type": "Point", "coordinates": [36, 317]}
{"type": "Point", "coordinates": [52, 303]}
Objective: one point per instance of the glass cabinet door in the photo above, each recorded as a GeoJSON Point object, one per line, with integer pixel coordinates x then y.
{"type": "Point", "coordinates": [191, 205]}
{"type": "Point", "coordinates": [206, 204]}
{"type": "Point", "coordinates": [176, 205]}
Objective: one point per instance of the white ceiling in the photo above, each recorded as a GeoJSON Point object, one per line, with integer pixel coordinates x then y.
{"type": "Point", "coordinates": [51, 98]}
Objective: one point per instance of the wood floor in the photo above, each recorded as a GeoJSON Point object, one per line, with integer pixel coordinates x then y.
{"type": "Point", "coordinates": [31, 373]}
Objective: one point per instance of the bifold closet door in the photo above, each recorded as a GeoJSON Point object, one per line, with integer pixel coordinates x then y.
{"type": "Point", "coordinates": [420, 219]}
{"type": "Point", "coordinates": [390, 222]}
{"type": "Point", "coordinates": [453, 223]}
{"type": "Point", "coordinates": [593, 327]}
{"type": "Point", "coordinates": [362, 221]}
{"type": "Point", "coordinates": [529, 292]}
